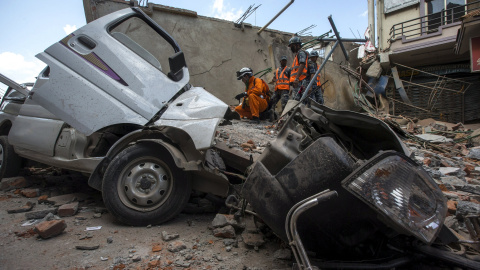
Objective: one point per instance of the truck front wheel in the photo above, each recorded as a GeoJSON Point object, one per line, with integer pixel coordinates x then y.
{"type": "Point", "coordinates": [142, 186]}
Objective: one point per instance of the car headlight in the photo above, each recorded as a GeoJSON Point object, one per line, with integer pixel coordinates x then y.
{"type": "Point", "coordinates": [394, 185]}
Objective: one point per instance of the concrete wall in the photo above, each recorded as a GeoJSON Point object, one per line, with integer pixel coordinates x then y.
{"type": "Point", "coordinates": [214, 49]}
{"type": "Point", "coordinates": [390, 19]}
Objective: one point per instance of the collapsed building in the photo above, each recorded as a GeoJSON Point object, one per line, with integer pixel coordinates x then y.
{"type": "Point", "coordinates": [428, 52]}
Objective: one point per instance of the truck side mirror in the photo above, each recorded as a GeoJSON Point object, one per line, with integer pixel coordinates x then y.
{"type": "Point", "coordinates": [177, 62]}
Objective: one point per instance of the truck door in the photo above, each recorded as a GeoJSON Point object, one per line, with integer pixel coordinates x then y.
{"type": "Point", "coordinates": [112, 71]}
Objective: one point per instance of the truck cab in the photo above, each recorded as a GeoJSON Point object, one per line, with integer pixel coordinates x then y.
{"type": "Point", "coordinates": [115, 102]}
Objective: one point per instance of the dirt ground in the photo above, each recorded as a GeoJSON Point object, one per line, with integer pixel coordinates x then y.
{"type": "Point", "coordinates": [119, 246]}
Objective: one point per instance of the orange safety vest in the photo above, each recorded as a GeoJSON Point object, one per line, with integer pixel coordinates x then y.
{"type": "Point", "coordinates": [282, 82]}
{"type": "Point", "coordinates": [295, 66]}
{"type": "Point", "coordinates": [318, 77]}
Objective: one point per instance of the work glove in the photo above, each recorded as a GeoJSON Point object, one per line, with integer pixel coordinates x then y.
{"type": "Point", "coordinates": [241, 95]}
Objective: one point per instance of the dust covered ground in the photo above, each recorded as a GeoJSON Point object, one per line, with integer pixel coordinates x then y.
{"type": "Point", "coordinates": [117, 246]}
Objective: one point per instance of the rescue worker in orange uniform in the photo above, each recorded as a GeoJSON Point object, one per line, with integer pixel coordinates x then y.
{"type": "Point", "coordinates": [282, 84]}
{"type": "Point", "coordinates": [299, 71]}
{"type": "Point", "coordinates": [254, 101]}
{"type": "Point", "coordinates": [316, 92]}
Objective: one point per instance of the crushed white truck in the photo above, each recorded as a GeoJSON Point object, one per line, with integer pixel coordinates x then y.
{"type": "Point", "coordinates": [120, 108]}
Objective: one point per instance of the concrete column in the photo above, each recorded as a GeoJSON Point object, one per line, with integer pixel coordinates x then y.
{"type": "Point", "coordinates": [371, 20]}
{"type": "Point", "coordinates": [380, 23]}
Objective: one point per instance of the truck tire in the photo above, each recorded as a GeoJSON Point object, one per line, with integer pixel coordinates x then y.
{"type": "Point", "coordinates": [10, 162]}
{"type": "Point", "coordinates": [142, 186]}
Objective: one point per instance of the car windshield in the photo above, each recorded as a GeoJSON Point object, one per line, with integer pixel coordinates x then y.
{"type": "Point", "coordinates": [139, 37]}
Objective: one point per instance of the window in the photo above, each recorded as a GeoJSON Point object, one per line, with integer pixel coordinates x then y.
{"type": "Point", "coordinates": [441, 12]}
{"type": "Point", "coordinates": [139, 37]}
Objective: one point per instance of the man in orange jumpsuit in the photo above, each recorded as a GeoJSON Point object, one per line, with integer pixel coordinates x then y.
{"type": "Point", "coordinates": [254, 96]}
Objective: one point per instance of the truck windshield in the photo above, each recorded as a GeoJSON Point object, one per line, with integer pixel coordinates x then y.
{"type": "Point", "coordinates": [139, 37]}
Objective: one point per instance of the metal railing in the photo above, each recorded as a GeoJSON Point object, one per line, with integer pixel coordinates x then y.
{"type": "Point", "coordinates": [430, 23]}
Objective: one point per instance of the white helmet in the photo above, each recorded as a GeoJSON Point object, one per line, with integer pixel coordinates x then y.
{"type": "Point", "coordinates": [242, 72]}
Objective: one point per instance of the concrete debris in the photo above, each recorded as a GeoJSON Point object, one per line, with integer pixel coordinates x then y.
{"type": "Point", "coordinates": [465, 208]}
{"type": "Point", "coordinates": [283, 254]}
{"type": "Point", "coordinates": [87, 247]}
{"type": "Point", "coordinates": [476, 137]}
{"type": "Point", "coordinates": [375, 70]}
{"type": "Point", "coordinates": [169, 237]}
{"type": "Point", "coordinates": [225, 232]}
{"type": "Point", "coordinates": [243, 136]}
{"type": "Point", "coordinates": [219, 221]}
{"type": "Point", "coordinates": [434, 138]}
{"type": "Point", "coordinates": [253, 239]}
{"type": "Point", "coordinates": [474, 153]}
{"type": "Point", "coordinates": [27, 207]}
{"type": "Point", "coordinates": [176, 246]}
{"type": "Point", "coordinates": [230, 242]}
{"type": "Point", "coordinates": [48, 229]}
{"type": "Point", "coordinates": [67, 198]}
{"type": "Point", "coordinates": [136, 258]}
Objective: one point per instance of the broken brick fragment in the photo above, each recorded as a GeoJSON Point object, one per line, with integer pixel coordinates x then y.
{"type": "Point", "coordinates": [469, 169]}
{"type": "Point", "coordinates": [248, 145]}
{"type": "Point", "coordinates": [153, 264]}
{"type": "Point", "coordinates": [68, 210]}
{"type": "Point", "coordinates": [30, 192]}
{"type": "Point", "coordinates": [42, 199]}
{"type": "Point", "coordinates": [427, 161]}
{"type": "Point", "coordinates": [443, 187]}
{"type": "Point", "coordinates": [156, 248]}
{"type": "Point", "coordinates": [452, 207]}
{"type": "Point", "coordinates": [48, 229]}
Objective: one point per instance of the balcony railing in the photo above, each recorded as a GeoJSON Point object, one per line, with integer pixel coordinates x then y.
{"type": "Point", "coordinates": [430, 23]}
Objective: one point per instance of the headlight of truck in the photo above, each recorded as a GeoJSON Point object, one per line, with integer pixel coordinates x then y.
{"type": "Point", "coordinates": [401, 190]}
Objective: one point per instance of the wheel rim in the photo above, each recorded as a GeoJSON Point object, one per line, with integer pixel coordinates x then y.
{"type": "Point", "coordinates": [145, 184]}
{"type": "Point", "coordinates": [1, 156]}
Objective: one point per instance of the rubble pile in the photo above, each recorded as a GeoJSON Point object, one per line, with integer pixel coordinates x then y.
{"type": "Point", "coordinates": [68, 219]}
{"type": "Point", "coordinates": [246, 136]}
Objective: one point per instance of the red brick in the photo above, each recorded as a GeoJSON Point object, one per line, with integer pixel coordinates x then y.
{"type": "Point", "coordinates": [30, 192]}
{"type": "Point", "coordinates": [469, 169]}
{"type": "Point", "coordinates": [452, 207]}
{"type": "Point", "coordinates": [427, 161]}
{"type": "Point", "coordinates": [252, 143]}
{"type": "Point", "coordinates": [42, 199]}
{"type": "Point", "coordinates": [68, 210]}
{"type": "Point", "coordinates": [153, 263]}
{"type": "Point", "coordinates": [157, 248]}
{"type": "Point", "coordinates": [47, 229]}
